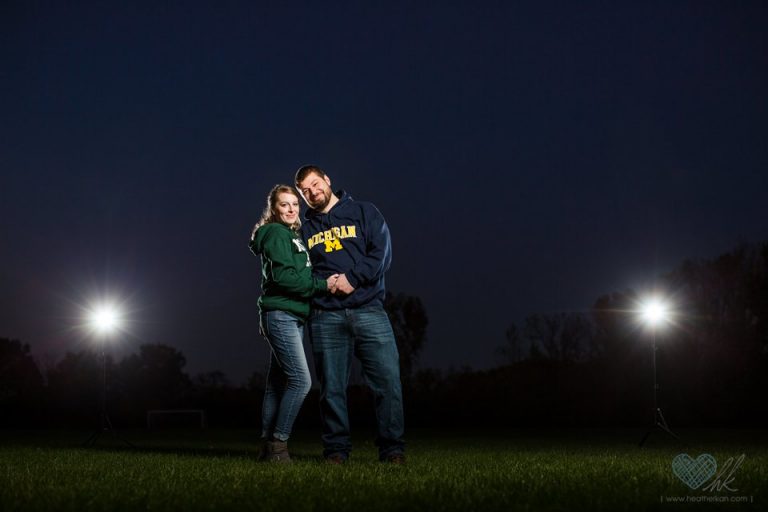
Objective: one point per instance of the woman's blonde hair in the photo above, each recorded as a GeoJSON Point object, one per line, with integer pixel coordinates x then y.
{"type": "Point", "coordinates": [270, 213]}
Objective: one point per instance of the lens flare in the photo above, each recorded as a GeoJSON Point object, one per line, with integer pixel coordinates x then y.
{"type": "Point", "coordinates": [105, 319]}
{"type": "Point", "coordinates": [654, 312]}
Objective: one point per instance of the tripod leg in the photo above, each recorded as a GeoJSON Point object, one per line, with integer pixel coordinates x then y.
{"type": "Point", "coordinates": [645, 438]}
{"type": "Point", "coordinates": [121, 438]}
{"type": "Point", "coordinates": [662, 424]}
{"type": "Point", "coordinates": [93, 438]}
{"type": "Point", "coordinates": [114, 433]}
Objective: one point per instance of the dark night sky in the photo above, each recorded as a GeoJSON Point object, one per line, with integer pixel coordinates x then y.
{"type": "Point", "coordinates": [527, 156]}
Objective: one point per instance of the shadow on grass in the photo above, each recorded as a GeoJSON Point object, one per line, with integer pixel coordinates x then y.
{"type": "Point", "coordinates": [245, 443]}
{"type": "Point", "coordinates": [195, 443]}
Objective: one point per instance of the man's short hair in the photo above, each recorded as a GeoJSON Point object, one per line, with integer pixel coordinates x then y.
{"type": "Point", "coordinates": [306, 170]}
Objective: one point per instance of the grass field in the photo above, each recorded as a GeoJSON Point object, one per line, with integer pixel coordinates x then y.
{"type": "Point", "coordinates": [483, 470]}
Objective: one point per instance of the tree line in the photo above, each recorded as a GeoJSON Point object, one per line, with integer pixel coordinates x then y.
{"type": "Point", "coordinates": [567, 368]}
{"type": "Point", "coordinates": [595, 367]}
{"type": "Point", "coordinates": [68, 393]}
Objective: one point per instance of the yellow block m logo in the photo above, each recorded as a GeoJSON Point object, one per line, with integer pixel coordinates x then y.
{"type": "Point", "coordinates": [332, 245]}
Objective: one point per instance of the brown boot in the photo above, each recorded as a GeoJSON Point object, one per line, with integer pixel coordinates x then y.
{"type": "Point", "coordinates": [277, 451]}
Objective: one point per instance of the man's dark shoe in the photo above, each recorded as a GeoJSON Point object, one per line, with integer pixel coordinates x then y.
{"type": "Point", "coordinates": [336, 458]}
{"type": "Point", "coordinates": [395, 458]}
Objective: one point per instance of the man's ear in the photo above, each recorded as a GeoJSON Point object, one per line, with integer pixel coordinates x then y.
{"type": "Point", "coordinates": [327, 180]}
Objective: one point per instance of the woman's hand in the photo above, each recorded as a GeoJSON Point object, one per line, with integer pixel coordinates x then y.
{"type": "Point", "coordinates": [331, 283]}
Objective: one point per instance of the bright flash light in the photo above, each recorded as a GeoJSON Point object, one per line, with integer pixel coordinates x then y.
{"type": "Point", "coordinates": [105, 319]}
{"type": "Point", "coordinates": [654, 312]}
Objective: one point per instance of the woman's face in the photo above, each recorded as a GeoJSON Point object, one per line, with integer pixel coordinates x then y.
{"type": "Point", "coordinates": [287, 208]}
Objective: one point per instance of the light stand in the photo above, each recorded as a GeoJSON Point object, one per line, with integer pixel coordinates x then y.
{"type": "Point", "coordinates": [104, 322]}
{"type": "Point", "coordinates": [655, 313]}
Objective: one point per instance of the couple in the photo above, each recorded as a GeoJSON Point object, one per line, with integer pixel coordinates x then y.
{"type": "Point", "coordinates": [342, 276]}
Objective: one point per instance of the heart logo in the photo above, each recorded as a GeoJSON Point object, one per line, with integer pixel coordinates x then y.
{"type": "Point", "coordinates": [694, 472]}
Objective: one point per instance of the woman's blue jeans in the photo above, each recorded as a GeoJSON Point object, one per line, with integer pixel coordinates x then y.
{"type": "Point", "coordinates": [366, 333]}
{"type": "Point", "coordinates": [288, 379]}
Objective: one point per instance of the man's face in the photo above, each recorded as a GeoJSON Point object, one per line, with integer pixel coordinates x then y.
{"type": "Point", "coordinates": [316, 191]}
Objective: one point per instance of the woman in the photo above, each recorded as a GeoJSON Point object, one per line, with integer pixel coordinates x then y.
{"type": "Point", "coordinates": [287, 285]}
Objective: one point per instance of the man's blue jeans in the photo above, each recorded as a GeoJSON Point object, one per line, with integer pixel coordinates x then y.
{"type": "Point", "coordinates": [366, 333]}
{"type": "Point", "coordinates": [288, 379]}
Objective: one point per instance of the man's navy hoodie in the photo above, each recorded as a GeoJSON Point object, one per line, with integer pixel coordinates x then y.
{"type": "Point", "coordinates": [351, 239]}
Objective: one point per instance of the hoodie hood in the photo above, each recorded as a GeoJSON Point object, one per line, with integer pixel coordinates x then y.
{"type": "Point", "coordinates": [257, 242]}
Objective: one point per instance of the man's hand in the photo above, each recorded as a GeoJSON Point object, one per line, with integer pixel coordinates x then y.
{"type": "Point", "coordinates": [342, 286]}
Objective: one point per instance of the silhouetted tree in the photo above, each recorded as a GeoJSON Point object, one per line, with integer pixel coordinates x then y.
{"type": "Point", "coordinates": [720, 350]}
{"type": "Point", "coordinates": [75, 385]}
{"type": "Point", "coordinates": [154, 378]}
{"type": "Point", "coordinates": [211, 380]}
{"type": "Point", "coordinates": [559, 336]}
{"type": "Point", "coordinates": [512, 351]}
{"type": "Point", "coordinates": [409, 323]}
{"type": "Point", "coordinates": [615, 325]}
{"type": "Point", "coordinates": [18, 372]}
{"type": "Point", "coordinates": [21, 384]}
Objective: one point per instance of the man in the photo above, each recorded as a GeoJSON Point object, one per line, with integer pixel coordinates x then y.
{"type": "Point", "coordinates": [351, 238]}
